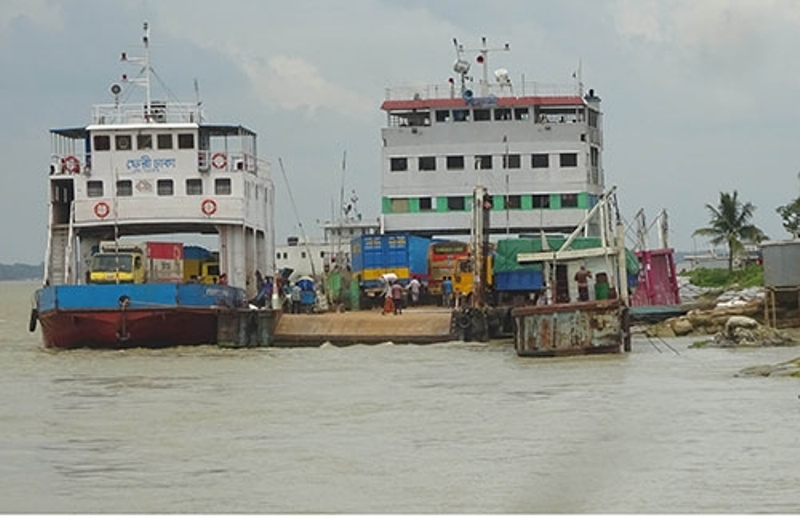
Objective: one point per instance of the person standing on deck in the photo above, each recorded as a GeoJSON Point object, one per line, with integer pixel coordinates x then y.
{"type": "Point", "coordinates": [296, 294]}
{"type": "Point", "coordinates": [388, 300]}
{"type": "Point", "coordinates": [582, 277]}
{"type": "Point", "coordinates": [397, 297]}
{"type": "Point", "coordinates": [414, 287]}
{"type": "Point", "coordinates": [447, 291]}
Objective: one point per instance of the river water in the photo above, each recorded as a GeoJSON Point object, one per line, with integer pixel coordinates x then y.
{"type": "Point", "coordinates": [447, 428]}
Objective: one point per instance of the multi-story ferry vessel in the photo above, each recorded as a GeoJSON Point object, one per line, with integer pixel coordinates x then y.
{"type": "Point", "coordinates": [536, 147]}
{"type": "Point", "coordinates": [143, 171]}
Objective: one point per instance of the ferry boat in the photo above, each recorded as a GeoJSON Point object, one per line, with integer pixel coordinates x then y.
{"type": "Point", "coordinates": [536, 147]}
{"type": "Point", "coordinates": [150, 170]}
{"type": "Point", "coordinates": [509, 163]}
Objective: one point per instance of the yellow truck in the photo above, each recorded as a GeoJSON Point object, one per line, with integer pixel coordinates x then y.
{"type": "Point", "coordinates": [136, 263]}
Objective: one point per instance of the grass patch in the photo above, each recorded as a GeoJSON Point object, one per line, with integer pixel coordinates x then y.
{"type": "Point", "coordinates": [749, 276]}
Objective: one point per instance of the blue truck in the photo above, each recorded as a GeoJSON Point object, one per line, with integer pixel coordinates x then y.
{"type": "Point", "coordinates": [403, 255]}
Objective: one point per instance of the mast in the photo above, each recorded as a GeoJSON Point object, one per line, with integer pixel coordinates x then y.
{"type": "Point", "coordinates": [145, 62]}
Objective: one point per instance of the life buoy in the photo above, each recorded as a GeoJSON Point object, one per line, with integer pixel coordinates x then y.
{"type": "Point", "coordinates": [101, 209]}
{"type": "Point", "coordinates": [208, 206]}
{"type": "Point", "coordinates": [71, 165]}
{"type": "Point", "coordinates": [219, 161]}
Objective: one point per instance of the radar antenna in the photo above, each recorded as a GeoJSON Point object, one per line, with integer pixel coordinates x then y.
{"type": "Point", "coordinates": [461, 65]}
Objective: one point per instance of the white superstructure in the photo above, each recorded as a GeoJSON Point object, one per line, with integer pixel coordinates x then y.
{"type": "Point", "coordinates": [308, 257]}
{"type": "Point", "coordinates": [157, 167]}
{"type": "Point", "coordinates": [537, 148]}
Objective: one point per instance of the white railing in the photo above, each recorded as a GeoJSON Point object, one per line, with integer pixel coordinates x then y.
{"type": "Point", "coordinates": [452, 91]}
{"type": "Point", "coordinates": [138, 113]}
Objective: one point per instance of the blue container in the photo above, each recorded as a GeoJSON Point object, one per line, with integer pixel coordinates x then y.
{"type": "Point", "coordinates": [519, 280]}
{"type": "Point", "coordinates": [391, 251]}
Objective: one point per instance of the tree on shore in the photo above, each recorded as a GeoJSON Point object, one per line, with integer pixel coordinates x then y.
{"type": "Point", "coordinates": [730, 224]}
{"type": "Point", "coordinates": [790, 215]}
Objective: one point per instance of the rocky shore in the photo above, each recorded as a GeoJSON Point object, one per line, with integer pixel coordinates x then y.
{"type": "Point", "coordinates": [735, 319]}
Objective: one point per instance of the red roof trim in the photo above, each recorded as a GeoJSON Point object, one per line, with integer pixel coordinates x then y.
{"type": "Point", "coordinates": [515, 102]}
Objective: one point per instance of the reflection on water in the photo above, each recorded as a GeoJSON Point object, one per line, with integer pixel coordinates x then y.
{"type": "Point", "coordinates": [455, 427]}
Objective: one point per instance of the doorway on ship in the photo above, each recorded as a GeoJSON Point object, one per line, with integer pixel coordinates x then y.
{"type": "Point", "coordinates": [562, 284]}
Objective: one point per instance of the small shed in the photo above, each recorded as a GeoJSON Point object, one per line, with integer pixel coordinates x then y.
{"type": "Point", "coordinates": [781, 260]}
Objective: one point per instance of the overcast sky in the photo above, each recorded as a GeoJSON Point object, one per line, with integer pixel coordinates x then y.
{"type": "Point", "coordinates": [698, 96]}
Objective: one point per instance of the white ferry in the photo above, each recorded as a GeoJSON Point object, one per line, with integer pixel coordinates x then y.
{"type": "Point", "coordinates": [147, 171]}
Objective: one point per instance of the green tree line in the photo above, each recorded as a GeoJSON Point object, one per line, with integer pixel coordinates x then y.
{"type": "Point", "coordinates": [21, 272]}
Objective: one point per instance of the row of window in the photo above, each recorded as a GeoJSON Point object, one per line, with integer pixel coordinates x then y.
{"type": "Point", "coordinates": [544, 116]}
{"type": "Point", "coordinates": [442, 204]}
{"type": "Point", "coordinates": [482, 162]}
{"type": "Point", "coordinates": [163, 187]}
{"type": "Point", "coordinates": [143, 141]}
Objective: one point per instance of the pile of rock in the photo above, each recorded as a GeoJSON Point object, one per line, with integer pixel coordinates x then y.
{"type": "Point", "coordinates": [787, 369]}
{"type": "Point", "coordinates": [704, 322]}
{"type": "Point", "coordinates": [744, 331]}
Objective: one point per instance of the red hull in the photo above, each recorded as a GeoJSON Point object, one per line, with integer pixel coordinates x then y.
{"type": "Point", "coordinates": [130, 329]}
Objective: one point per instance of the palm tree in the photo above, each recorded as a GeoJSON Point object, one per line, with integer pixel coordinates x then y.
{"type": "Point", "coordinates": [730, 223]}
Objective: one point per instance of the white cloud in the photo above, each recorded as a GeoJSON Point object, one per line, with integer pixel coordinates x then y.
{"type": "Point", "coordinates": [291, 83]}
{"type": "Point", "coordinates": [637, 19]}
{"type": "Point", "coordinates": [40, 12]}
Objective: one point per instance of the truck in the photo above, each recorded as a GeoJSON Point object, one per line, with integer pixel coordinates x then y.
{"type": "Point", "coordinates": [373, 256]}
{"type": "Point", "coordinates": [453, 259]}
{"type": "Point", "coordinates": [136, 263]}
{"type": "Point", "coordinates": [200, 265]}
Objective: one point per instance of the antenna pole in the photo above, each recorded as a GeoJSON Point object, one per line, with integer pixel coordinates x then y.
{"type": "Point", "coordinates": [146, 41]}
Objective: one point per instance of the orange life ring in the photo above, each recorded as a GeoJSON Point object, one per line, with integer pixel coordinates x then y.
{"type": "Point", "coordinates": [208, 206]}
{"type": "Point", "coordinates": [101, 209]}
{"type": "Point", "coordinates": [71, 164]}
{"type": "Point", "coordinates": [219, 160]}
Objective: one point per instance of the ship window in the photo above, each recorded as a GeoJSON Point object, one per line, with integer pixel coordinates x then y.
{"type": "Point", "coordinates": [511, 161]}
{"type": "Point", "coordinates": [144, 141]}
{"type": "Point", "coordinates": [122, 142]}
{"type": "Point", "coordinates": [455, 163]}
{"type": "Point", "coordinates": [102, 142]}
{"type": "Point", "coordinates": [400, 206]}
{"type": "Point", "coordinates": [124, 188]}
{"type": "Point", "coordinates": [569, 200]}
{"type": "Point", "coordinates": [302, 254]}
{"type": "Point", "coordinates": [514, 202]}
{"type": "Point", "coordinates": [222, 186]}
{"type": "Point", "coordinates": [425, 204]}
{"type": "Point", "coordinates": [483, 162]}
{"type": "Point", "coordinates": [164, 188]}
{"type": "Point", "coordinates": [398, 164]}
{"type": "Point", "coordinates": [455, 203]}
{"type": "Point", "coordinates": [427, 163]}
{"type": "Point", "coordinates": [194, 187]}
{"type": "Point", "coordinates": [569, 159]}
{"type": "Point", "coordinates": [482, 114]}
{"type": "Point", "coordinates": [502, 114]}
{"type": "Point", "coordinates": [442, 115]}
{"type": "Point", "coordinates": [521, 114]}
{"type": "Point", "coordinates": [94, 188]}
{"type": "Point", "coordinates": [186, 141]}
{"type": "Point", "coordinates": [164, 141]}
{"type": "Point", "coordinates": [541, 201]}
{"type": "Point", "coordinates": [540, 161]}
{"type": "Point", "coordinates": [461, 115]}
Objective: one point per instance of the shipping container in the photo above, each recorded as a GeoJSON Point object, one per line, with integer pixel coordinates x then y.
{"type": "Point", "coordinates": [402, 254]}
{"type": "Point", "coordinates": [164, 261]}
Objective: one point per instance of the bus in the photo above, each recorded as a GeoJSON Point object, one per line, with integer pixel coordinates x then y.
{"type": "Point", "coordinates": [453, 259]}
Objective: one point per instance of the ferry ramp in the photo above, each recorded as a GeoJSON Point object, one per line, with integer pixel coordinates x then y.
{"type": "Point", "coordinates": [416, 326]}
